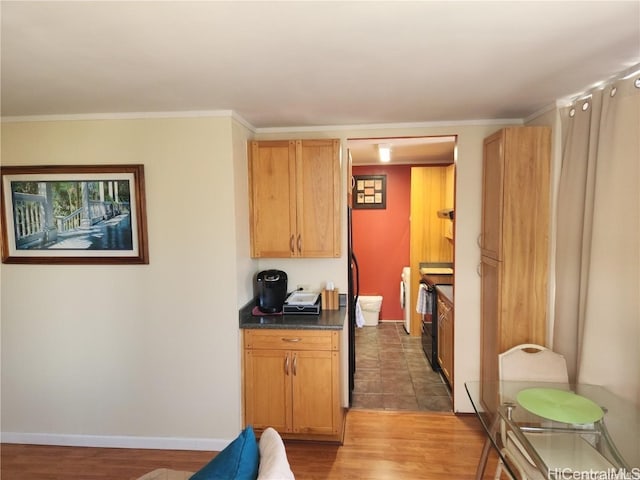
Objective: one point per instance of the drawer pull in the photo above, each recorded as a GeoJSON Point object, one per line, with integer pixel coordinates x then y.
{"type": "Point", "coordinates": [295, 364]}
{"type": "Point", "coordinates": [286, 365]}
{"type": "Point", "coordinates": [293, 340]}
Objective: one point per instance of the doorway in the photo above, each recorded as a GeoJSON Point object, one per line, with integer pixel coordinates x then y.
{"type": "Point", "coordinates": [390, 367]}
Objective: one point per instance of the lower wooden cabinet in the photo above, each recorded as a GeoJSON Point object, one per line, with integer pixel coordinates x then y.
{"type": "Point", "coordinates": [445, 337]}
{"type": "Point", "coordinates": [292, 383]}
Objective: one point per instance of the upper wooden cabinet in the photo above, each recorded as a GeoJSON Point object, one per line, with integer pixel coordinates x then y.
{"type": "Point", "coordinates": [514, 244]}
{"type": "Point", "coordinates": [492, 192]}
{"type": "Point", "coordinates": [515, 194]}
{"type": "Point", "coordinates": [294, 188]}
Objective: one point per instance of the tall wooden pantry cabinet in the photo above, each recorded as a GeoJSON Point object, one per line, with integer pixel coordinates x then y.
{"type": "Point", "coordinates": [514, 245]}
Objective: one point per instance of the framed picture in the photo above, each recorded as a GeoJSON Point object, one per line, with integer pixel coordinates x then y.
{"type": "Point", "coordinates": [370, 191]}
{"type": "Point", "coordinates": [92, 214]}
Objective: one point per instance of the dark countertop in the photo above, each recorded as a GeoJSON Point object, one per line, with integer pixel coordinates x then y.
{"type": "Point", "coordinates": [437, 279]}
{"type": "Point", "coordinates": [447, 291]}
{"type": "Point", "coordinates": [326, 320]}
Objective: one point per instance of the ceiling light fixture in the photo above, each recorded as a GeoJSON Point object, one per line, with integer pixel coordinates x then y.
{"type": "Point", "coordinates": [384, 151]}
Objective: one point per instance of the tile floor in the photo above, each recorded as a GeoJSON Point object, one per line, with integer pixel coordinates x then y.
{"type": "Point", "coordinates": [392, 372]}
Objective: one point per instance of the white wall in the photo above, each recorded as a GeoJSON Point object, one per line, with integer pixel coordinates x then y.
{"type": "Point", "coordinates": [150, 355]}
{"type": "Point", "coordinates": [551, 118]}
{"type": "Point", "coordinates": [245, 264]}
{"type": "Point", "coordinates": [467, 254]}
{"type": "Point", "coordinates": [134, 355]}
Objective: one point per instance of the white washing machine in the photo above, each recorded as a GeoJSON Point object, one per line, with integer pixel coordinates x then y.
{"type": "Point", "coordinates": [405, 297]}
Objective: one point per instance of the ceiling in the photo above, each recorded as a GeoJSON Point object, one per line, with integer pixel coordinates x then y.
{"type": "Point", "coordinates": [305, 63]}
{"type": "Point", "coordinates": [404, 150]}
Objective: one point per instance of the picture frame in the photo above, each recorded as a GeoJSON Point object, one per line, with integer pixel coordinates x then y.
{"type": "Point", "coordinates": [370, 191]}
{"type": "Point", "coordinates": [69, 214]}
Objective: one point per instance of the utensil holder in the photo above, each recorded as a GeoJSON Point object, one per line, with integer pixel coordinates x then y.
{"type": "Point", "coordinates": [330, 299]}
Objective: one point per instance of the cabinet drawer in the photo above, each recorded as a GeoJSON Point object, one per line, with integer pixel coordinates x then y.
{"type": "Point", "coordinates": [291, 339]}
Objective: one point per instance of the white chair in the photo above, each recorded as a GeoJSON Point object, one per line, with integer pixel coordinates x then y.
{"type": "Point", "coordinates": [535, 363]}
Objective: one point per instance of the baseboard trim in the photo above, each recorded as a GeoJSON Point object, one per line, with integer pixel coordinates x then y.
{"type": "Point", "coordinates": [114, 441]}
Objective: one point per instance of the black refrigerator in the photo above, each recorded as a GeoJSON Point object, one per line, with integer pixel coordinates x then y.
{"type": "Point", "coordinates": [352, 298]}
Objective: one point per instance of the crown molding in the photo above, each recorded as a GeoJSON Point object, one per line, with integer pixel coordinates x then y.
{"type": "Point", "coordinates": [126, 116]}
{"type": "Point", "coordinates": [383, 126]}
{"type": "Point", "coordinates": [240, 119]}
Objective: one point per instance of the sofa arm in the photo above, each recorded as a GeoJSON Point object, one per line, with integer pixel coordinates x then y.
{"type": "Point", "coordinates": [166, 474]}
{"type": "Point", "coordinates": [274, 464]}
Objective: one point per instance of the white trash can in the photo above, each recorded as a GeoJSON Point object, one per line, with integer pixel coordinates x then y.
{"type": "Point", "coordinates": [370, 306]}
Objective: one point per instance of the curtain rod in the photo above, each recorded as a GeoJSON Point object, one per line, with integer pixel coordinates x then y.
{"type": "Point", "coordinates": [626, 73]}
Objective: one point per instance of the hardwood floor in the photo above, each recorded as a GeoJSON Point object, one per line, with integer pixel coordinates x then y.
{"type": "Point", "coordinates": [385, 445]}
{"type": "Point", "coordinates": [378, 445]}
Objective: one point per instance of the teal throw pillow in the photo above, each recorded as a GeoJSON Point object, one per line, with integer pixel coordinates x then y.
{"type": "Point", "coordinates": [238, 461]}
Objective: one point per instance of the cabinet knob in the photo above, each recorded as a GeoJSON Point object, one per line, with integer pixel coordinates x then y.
{"type": "Point", "coordinates": [291, 244]}
{"type": "Point", "coordinates": [295, 364]}
{"type": "Point", "coordinates": [286, 364]}
{"type": "Point", "coordinates": [299, 243]}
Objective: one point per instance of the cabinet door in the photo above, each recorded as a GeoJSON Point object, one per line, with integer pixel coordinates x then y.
{"type": "Point", "coordinates": [492, 196]}
{"type": "Point", "coordinates": [445, 338]}
{"type": "Point", "coordinates": [315, 399]}
{"type": "Point", "coordinates": [267, 392]}
{"type": "Point", "coordinates": [272, 198]}
{"type": "Point", "coordinates": [441, 332]}
{"type": "Point", "coordinates": [490, 327]}
{"type": "Point", "coordinates": [449, 358]}
{"type": "Point", "coordinates": [318, 198]}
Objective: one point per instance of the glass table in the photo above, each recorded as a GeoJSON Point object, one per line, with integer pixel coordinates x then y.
{"type": "Point", "coordinates": [563, 430]}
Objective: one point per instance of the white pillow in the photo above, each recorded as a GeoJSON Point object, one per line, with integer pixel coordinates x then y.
{"type": "Point", "coordinates": [273, 457]}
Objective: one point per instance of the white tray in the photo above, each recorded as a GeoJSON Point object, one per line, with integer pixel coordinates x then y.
{"type": "Point", "coordinates": [302, 298]}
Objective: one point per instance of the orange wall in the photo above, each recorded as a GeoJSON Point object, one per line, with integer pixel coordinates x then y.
{"type": "Point", "coordinates": [381, 239]}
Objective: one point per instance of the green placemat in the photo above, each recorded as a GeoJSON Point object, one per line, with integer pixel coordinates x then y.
{"type": "Point", "coordinates": [559, 405]}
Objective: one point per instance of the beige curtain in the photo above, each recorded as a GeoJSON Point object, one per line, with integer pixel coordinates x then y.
{"type": "Point", "coordinates": [597, 313]}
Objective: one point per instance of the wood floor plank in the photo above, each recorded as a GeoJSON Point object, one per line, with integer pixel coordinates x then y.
{"type": "Point", "coordinates": [390, 445]}
{"type": "Point", "coordinates": [378, 445]}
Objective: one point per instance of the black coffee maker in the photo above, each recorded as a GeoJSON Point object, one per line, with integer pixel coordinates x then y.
{"type": "Point", "coordinates": [271, 286]}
